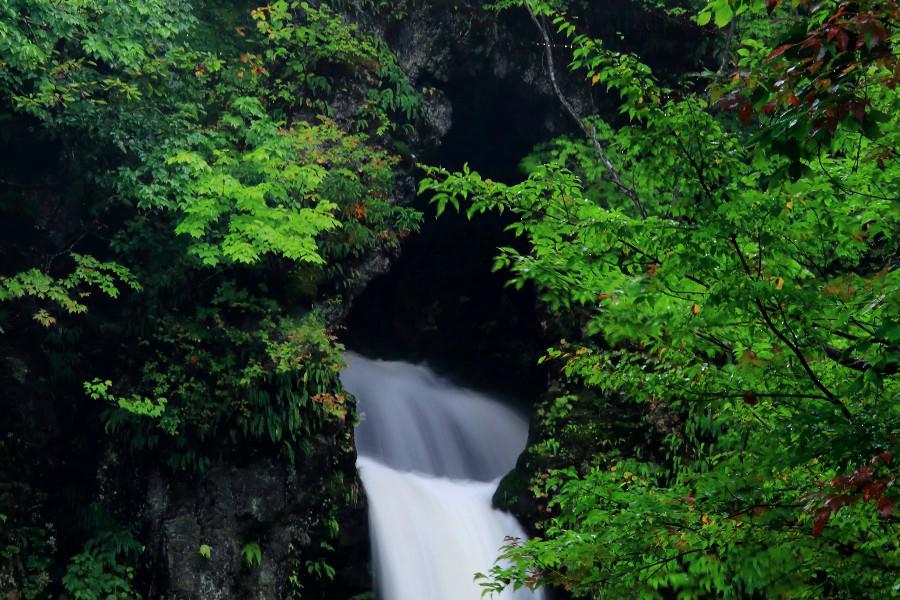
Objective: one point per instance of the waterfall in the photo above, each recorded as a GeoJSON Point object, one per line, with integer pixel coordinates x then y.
{"type": "Point", "coordinates": [430, 457]}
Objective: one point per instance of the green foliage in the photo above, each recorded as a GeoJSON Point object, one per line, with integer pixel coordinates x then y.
{"type": "Point", "coordinates": [832, 71]}
{"type": "Point", "coordinates": [135, 404]}
{"type": "Point", "coordinates": [91, 575]}
{"type": "Point", "coordinates": [277, 385]}
{"type": "Point", "coordinates": [320, 568]}
{"type": "Point", "coordinates": [64, 62]}
{"type": "Point", "coordinates": [265, 195]}
{"type": "Point", "coordinates": [304, 40]}
{"type": "Point", "coordinates": [751, 296]}
{"type": "Point", "coordinates": [620, 72]}
{"type": "Point", "coordinates": [317, 568]}
{"type": "Point", "coordinates": [104, 569]}
{"type": "Point", "coordinates": [27, 545]}
{"type": "Point", "coordinates": [721, 11]}
{"type": "Point", "coordinates": [205, 551]}
{"type": "Point", "coordinates": [68, 292]}
{"type": "Point", "coordinates": [252, 554]}
{"type": "Point", "coordinates": [215, 166]}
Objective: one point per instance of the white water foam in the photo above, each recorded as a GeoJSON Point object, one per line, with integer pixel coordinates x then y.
{"type": "Point", "coordinates": [430, 456]}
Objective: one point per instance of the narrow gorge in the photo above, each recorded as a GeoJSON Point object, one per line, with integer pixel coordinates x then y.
{"type": "Point", "coordinates": [449, 299]}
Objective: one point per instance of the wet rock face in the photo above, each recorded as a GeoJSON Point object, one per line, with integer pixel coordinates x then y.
{"type": "Point", "coordinates": [232, 505]}
{"type": "Point", "coordinates": [454, 50]}
{"type": "Point", "coordinates": [284, 510]}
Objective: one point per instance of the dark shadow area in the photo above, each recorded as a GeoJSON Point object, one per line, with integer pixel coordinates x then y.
{"type": "Point", "coordinates": [496, 123]}
{"type": "Point", "coordinates": [441, 302]}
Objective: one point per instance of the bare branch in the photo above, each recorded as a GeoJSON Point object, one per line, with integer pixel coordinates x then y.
{"type": "Point", "coordinates": [588, 131]}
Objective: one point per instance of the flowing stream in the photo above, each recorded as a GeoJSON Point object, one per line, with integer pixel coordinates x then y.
{"type": "Point", "coordinates": [430, 457]}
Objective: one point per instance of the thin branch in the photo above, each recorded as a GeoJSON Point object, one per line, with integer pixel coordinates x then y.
{"type": "Point", "coordinates": [843, 187]}
{"type": "Point", "coordinates": [775, 395]}
{"type": "Point", "coordinates": [67, 250]}
{"type": "Point", "coordinates": [763, 505]}
{"type": "Point", "coordinates": [701, 179]}
{"type": "Point", "coordinates": [588, 131]}
{"type": "Point", "coordinates": [857, 364]}
{"type": "Point", "coordinates": [29, 186]}
{"type": "Point", "coordinates": [787, 342]}
{"type": "Point", "coordinates": [726, 52]}
{"type": "Point", "coordinates": [656, 259]}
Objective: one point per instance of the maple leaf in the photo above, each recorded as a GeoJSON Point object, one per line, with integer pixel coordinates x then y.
{"type": "Point", "coordinates": [822, 516]}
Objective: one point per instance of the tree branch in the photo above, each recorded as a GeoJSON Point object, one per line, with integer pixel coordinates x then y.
{"type": "Point", "coordinates": [588, 131]}
{"type": "Point", "coordinates": [787, 342]}
{"type": "Point", "coordinates": [857, 364]}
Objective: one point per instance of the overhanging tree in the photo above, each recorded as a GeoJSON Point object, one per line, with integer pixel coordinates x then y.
{"type": "Point", "coordinates": [735, 252]}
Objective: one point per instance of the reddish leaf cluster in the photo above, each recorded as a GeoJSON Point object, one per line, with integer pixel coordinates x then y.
{"type": "Point", "coordinates": [863, 485]}
{"type": "Point", "coordinates": [822, 69]}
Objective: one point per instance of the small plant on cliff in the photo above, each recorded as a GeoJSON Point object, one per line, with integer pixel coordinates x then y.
{"type": "Point", "coordinates": [252, 554]}
{"type": "Point", "coordinates": [205, 551]}
{"type": "Point", "coordinates": [104, 569]}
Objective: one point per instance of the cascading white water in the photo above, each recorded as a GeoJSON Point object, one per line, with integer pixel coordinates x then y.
{"type": "Point", "coordinates": [430, 457]}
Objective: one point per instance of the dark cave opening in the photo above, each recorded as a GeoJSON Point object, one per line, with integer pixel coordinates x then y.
{"type": "Point", "coordinates": [441, 301]}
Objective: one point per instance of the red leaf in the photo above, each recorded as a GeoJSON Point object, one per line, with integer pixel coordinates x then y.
{"type": "Point", "coordinates": [843, 40]}
{"type": "Point", "coordinates": [885, 456]}
{"type": "Point", "coordinates": [885, 507]}
{"type": "Point", "coordinates": [873, 35]}
{"type": "Point", "coordinates": [772, 5]}
{"type": "Point", "coordinates": [862, 476]}
{"type": "Point", "coordinates": [874, 490]}
{"type": "Point", "coordinates": [840, 482]}
{"type": "Point", "coordinates": [745, 113]}
{"type": "Point", "coordinates": [779, 51]}
{"type": "Point", "coordinates": [810, 42]}
{"type": "Point", "coordinates": [822, 516]}
{"type": "Point", "coordinates": [835, 503]}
